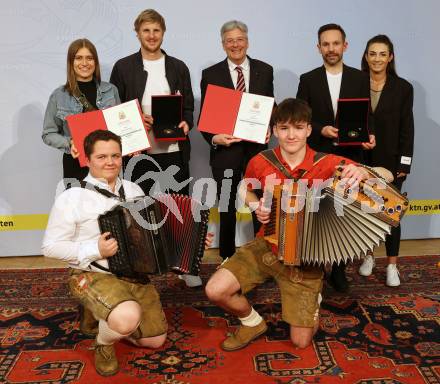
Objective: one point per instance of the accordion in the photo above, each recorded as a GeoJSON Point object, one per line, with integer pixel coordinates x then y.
{"type": "Point", "coordinates": [156, 236]}
{"type": "Point", "coordinates": [313, 227]}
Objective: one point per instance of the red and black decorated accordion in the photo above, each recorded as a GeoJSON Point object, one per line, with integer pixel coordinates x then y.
{"type": "Point", "coordinates": [157, 235]}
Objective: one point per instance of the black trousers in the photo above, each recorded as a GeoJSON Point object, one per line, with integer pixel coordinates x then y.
{"type": "Point", "coordinates": [167, 173]}
{"type": "Point", "coordinates": [227, 209]}
{"type": "Point", "coordinates": [392, 241]}
{"type": "Point", "coordinates": [72, 169]}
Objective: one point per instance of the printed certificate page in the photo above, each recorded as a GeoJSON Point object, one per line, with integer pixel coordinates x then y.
{"type": "Point", "coordinates": [126, 121]}
{"type": "Point", "coordinates": [253, 117]}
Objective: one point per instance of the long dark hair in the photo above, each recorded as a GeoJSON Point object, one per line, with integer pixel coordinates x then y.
{"type": "Point", "coordinates": [384, 39]}
{"type": "Point", "coordinates": [71, 85]}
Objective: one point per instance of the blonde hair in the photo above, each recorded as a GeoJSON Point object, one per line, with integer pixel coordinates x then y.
{"type": "Point", "coordinates": [150, 16]}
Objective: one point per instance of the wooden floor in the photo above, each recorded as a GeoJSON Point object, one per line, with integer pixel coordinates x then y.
{"type": "Point", "coordinates": [407, 248]}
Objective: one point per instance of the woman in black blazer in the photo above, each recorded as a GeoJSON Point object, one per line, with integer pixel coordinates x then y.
{"type": "Point", "coordinates": [391, 103]}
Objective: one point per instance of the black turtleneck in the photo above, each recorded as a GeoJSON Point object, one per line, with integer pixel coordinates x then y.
{"type": "Point", "coordinates": [88, 88]}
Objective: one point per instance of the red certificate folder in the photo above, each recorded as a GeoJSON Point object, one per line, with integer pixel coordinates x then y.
{"type": "Point", "coordinates": [82, 124]}
{"type": "Point", "coordinates": [220, 113]}
{"type": "Point", "coordinates": [352, 121]}
{"type": "Point", "coordinates": [220, 109]}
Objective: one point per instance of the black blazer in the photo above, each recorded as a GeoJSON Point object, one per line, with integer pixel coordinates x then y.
{"type": "Point", "coordinates": [261, 83]}
{"type": "Point", "coordinates": [394, 123]}
{"type": "Point", "coordinates": [313, 88]}
{"type": "Point", "coordinates": [129, 76]}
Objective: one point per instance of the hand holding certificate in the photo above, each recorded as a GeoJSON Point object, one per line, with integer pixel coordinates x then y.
{"type": "Point", "coordinates": [125, 120]}
{"type": "Point", "coordinates": [243, 115]}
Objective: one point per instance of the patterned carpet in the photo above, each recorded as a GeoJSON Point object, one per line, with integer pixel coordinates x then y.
{"type": "Point", "coordinates": [374, 335]}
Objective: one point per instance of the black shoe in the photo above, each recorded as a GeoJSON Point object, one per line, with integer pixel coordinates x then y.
{"type": "Point", "coordinates": [338, 280]}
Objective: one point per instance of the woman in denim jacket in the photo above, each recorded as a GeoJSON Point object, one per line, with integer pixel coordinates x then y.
{"type": "Point", "coordinates": [84, 91]}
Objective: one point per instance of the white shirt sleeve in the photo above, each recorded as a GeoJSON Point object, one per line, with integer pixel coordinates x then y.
{"type": "Point", "coordinates": [60, 240]}
{"type": "Point", "coordinates": [132, 190]}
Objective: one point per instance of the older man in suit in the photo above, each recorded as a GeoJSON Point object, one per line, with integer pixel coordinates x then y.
{"type": "Point", "coordinates": [321, 88]}
{"type": "Point", "coordinates": [229, 155]}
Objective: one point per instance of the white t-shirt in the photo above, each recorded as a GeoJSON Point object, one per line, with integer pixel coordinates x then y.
{"type": "Point", "coordinates": [334, 85]}
{"type": "Point", "coordinates": [157, 84]}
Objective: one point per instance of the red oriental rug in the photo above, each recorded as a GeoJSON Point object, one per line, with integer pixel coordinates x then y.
{"type": "Point", "coordinates": [373, 335]}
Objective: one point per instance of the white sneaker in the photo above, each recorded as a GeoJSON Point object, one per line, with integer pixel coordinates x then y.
{"type": "Point", "coordinates": [191, 281]}
{"type": "Point", "coordinates": [393, 276]}
{"type": "Point", "coordinates": [367, 266]}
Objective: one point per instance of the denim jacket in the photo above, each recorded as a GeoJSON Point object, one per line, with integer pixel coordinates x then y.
{"type": "Point", "coordinates": [61, 104]}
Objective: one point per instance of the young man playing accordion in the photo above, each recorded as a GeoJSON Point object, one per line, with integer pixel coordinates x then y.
{"type": "Point", "coordinates": [126, 308]}
{"type": "Point", "coordinates": [256, 261]}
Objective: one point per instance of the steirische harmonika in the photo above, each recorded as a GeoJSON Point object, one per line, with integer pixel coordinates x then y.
{"type": "Point", "coordinates": [332, 223]}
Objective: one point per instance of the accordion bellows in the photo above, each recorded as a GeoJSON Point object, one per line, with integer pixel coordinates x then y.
{"type": "Point", "coordinates": [156, 235]}
{"type": "Point", "coordinates": [333, 225]}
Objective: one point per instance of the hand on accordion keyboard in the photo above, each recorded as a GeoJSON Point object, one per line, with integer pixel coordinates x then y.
{"type": "Point", "coordinates": [208, 240]}
{"type": "Point", "coordinates": [352, 175]}
{"type": "Point", "coordinates": [262, 212]}
{"type": "Point", "coordinates": [107, 245]}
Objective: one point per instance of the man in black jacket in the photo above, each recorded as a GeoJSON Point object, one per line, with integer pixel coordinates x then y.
{"type": "Point", "coordinates": [321, 88]}
{"type": "Point", "coordinates": [150, 71]}
{"type": "Point", "coordinates": [229, 155]}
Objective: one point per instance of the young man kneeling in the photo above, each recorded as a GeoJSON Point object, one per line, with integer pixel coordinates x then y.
{"type": "Point", "coordinates": [124, 308]}
{"type": "Point", "coordinates": [256, 261]}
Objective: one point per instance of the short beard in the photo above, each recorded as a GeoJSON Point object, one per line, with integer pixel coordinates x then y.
{"type": "Point", "coordinates": [333, 63]}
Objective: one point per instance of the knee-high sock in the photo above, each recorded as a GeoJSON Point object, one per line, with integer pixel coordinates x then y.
{"type": "Point", "coordinates": [106, 335]}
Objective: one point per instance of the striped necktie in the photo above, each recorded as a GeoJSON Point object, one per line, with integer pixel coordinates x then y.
{"type": "Point", "coordinates": [241, 86]}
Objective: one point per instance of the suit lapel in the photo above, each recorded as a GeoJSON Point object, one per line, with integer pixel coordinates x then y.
{"type": "Point", "coordinates": [253, 77]}
{"type": "Point", "coordinates": [326, 89]}
{"type": "Point", "coordinates": [387, 91]}
{"type": "Point", "coordinates": [225, 75]}
{"type": "Point", "coordinates": [140, 78]}
{"type": "Point", "coordinates": [171, 74]}
{"type": "Point", "coordinates": [345, 82]}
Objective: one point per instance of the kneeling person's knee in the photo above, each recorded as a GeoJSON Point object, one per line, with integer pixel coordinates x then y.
{"type": "Point", "coordinates": [152, 342]}
{"type": "Point", "coordinates": [213, 291]}
{"type": "Point", "coordinates": [301, 342]}
{"type": "Point", "coordinates": [125, 317]}
{"type": "Point", "coordinates": [221, 286]}
{"type": "Point", "coordinates": [301, 336]}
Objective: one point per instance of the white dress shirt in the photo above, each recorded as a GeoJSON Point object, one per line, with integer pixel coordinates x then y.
{"type": "Point", "coordinates": [72, 232]}
{"type": "Point", "coordinates": [245, 67]}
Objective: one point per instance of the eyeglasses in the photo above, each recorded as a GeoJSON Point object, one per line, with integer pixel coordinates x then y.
{"type": "Point", "coordinates": [238, 41]}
